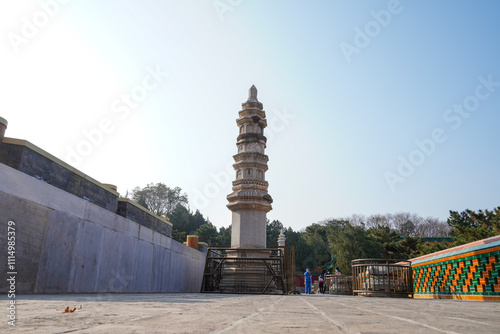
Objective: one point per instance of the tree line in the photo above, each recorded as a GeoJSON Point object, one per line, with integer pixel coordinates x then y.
{"type": "Point", "coordinates": [401, 235]}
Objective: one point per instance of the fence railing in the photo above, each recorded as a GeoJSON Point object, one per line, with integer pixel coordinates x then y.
{"type": "Point", "coordinates": [382, 277]}
{"type": "Point", "coordinates": [240, 270]}
{"type": "Point", "coordinates": [339, 284]}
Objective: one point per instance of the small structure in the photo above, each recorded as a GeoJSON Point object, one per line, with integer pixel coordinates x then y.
{"type": "Point", "coordinates": [192, 241]}
{"type": "Point", "coordinates": [281, 239]}
{"type": "Point", "coordinates": [382, 277]}
{"type": "Point", "coordinates": [3, 127]}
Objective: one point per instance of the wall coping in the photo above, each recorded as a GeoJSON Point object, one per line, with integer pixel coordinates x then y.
{"type": "Point", "coordinates": [474, 246]}
{"type": "Point", "coordinates": [3, 121]}
{"type": "Point", "coordinates": [27, 144]}
{"type": "Point", "coordinates": [140, 207]}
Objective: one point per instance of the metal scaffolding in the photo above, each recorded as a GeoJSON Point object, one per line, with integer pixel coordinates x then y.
{"type": "Point", "coordinates": [257, 271]}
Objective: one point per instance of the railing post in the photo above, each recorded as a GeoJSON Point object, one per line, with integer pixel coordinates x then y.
{"type": "Point", "coordinates": [388, 279]}
{"type": "Point", "coordinates": [294, 290]}
{"type": "Point", "coordinates": [287, 266]}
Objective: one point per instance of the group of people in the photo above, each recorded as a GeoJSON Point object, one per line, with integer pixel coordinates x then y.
{"type": "Point", "coordinates": [308, 280]}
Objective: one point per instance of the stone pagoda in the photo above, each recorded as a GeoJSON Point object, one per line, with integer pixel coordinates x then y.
{"type": "Point", "coordinates": [248, 266]}
{"type": "Point", "coordinates": [249, 201]}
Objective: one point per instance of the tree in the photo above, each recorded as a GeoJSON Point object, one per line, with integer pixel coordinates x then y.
{"type": "Point", "coordinates": [427, 247]}
{"type": "Point", "coordinates": [357, 220]}
{"type": "Point", "coordinates": [407, 229]}
{"type": "Point", "coordinates": [304, 254]}
{"type": "Point", "coordinates": [159, 198]}
{"type": "Point", "coordinates": [385, 242]}
{"type": "Point", "coordinates": [317, 240]}
{"type": "Point", "coordinates": [207, 233]}
{"type": "Point", "coordinates": [405, 222]}
{"type": "Point", "coordinates": [224, 237]}
{"type": "Point", "coordinates": [185, 223]}
{"type": "Point", "coordinates": [179, 236]}
{"type": "Point", "coordinates": [348, 242]}
{"type": "Point", "coordinates": [142, 202]}
{"type": "Point", "coordinates": [431, 227]}
{"type": "Point", "coordinates": [378, 220]}
{"type": "Point", "coordinates": [273, 230]}
{"type": "Point", "coordinates": [197, 220]}
{"type": "Point", "coordinates": [409, 248]}
{"type": "Point", "coordinates": [468, 226]}
{"type": "Point", "coordinates": [181, 221]}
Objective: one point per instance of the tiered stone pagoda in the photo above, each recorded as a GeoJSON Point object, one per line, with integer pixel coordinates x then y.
{"type": "Point", "coordinates": [248, 266]}
{"type": "Point", "coordinates": [249, 200]}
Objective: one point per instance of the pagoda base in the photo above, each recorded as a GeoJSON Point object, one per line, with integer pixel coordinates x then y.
{"type": "Point", "coordinates": [248, 229]}
{"type": "Point", "coordinates": [247, 277]}
{"type": "Point", "coordinates": [248, 253]}
{"type": "Point", "coordinates": [244, 271]}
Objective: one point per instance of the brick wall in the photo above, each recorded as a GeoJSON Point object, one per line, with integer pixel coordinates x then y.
{"type": "Point", "coordinates": [470, 272]}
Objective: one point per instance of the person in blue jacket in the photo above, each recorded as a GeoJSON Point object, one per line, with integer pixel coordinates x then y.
{"type": "Point", "coordinates": [307, 279]}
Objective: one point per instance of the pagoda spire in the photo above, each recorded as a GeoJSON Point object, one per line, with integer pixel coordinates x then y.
{"type": "Point", "coordinates": [252, 94]}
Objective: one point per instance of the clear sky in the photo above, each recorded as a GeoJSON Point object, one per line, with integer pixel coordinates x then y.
{"type": "Point", "coordinates": [373, 106]}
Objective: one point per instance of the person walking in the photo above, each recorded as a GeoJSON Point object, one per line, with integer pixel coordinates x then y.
{"type": "Point", "coordinates": [307, 281]}
{"type": "Point", "coordinates": [337, 271]}
{"type": "Point", "coordinates": [321, 284]}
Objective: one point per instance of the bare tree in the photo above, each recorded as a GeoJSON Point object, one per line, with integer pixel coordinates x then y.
{"type": "Point", "coordinates": [405, 223]}
{"type": "Point", "coordinates": [443, 230]}
{"type": "Point", "coordinates": [432, 227]}
{"type": "Point", "coordinates": [356, 220]}
{"type": "Point", "coordinates": [376, 220]}
{"type": "Point", "coordinates": [399, 219]}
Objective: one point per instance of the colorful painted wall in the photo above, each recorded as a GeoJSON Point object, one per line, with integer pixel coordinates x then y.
{"type": "Point", "coordinates": [469, 272]}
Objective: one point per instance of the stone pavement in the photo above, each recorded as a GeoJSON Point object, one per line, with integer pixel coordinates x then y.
{"type": "Point", "coordinates": [220, 313]}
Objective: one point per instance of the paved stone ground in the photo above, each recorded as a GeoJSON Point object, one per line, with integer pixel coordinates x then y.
{"type": "Point", "coordinates": [216, 313]}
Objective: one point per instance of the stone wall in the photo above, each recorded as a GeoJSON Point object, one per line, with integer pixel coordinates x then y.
{"type": "Point", "coordinates": [31, 160]}
{"type": "Point", "coordinates": [3, 127]}
{"type": "Point", "coordinates": [66, 244]}
{"type": "Point", "coordinates": [136, 213]}
{"type": "Point", "coordinates": [470, 271]}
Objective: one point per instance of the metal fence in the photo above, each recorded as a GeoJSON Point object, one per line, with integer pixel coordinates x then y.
{"type": "Point", "coordinates": [382, 277]}
{"type": "Point", "coordinates": [230, 270]}
{"type": "Point", "coordinates": [339, 284]}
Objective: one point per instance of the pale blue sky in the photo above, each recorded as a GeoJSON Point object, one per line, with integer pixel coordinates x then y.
{"type": "Point", "coordinates": [338, 122]}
